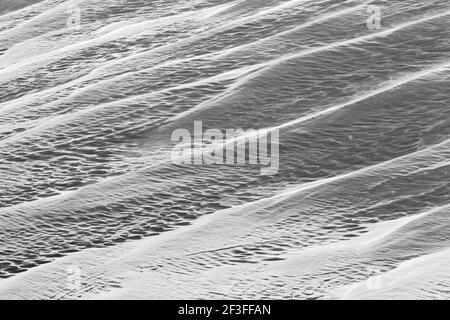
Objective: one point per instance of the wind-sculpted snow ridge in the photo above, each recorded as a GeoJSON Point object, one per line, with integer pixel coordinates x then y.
{"type": "Point", "coordinates": [357, 207]}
